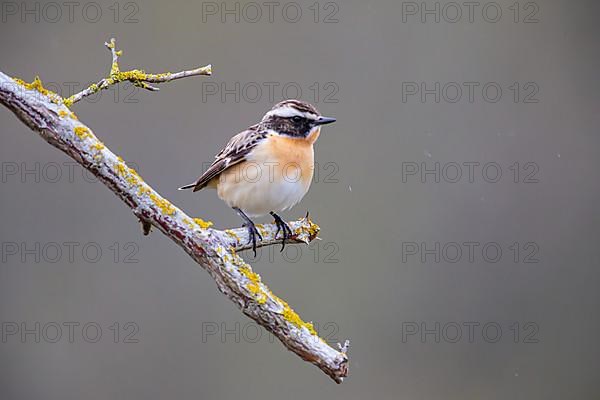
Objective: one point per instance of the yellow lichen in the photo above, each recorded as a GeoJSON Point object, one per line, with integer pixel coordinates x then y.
{"type": "Point", "coordinates": [231, 233]}
{"type": "Point", "coordinates": [62, 113]}
{"type": "Point", "coordinates": [82, 132]}
{"type": "Point", "coordinates": [292, 317]}
{"type": "Point", "coordinates": [121, 169]}
{"type": "Point", "coordinates": [254, 285]}
{"type": "Point", "coordinates": [134, 172]}
{"type": "Point", "coordinates": [98, 146]}
{"type": "Point", "coordinates": [261, 297]}
{"type": "Point", "coordinates": [134, 75]}
{"type": "Point", "coordinates": [261, 229]}
{"type": "Point", "coordinates": [164, 205]}
{"type": "Point", "coordinates": [143, 190]}
{"type": "Point", "coordinates": [132, 180]}
{"type": "Point", "coordinates": [203, 224]}
{"type": "Point", "coordinates": [114, 69]}
{"type": "Point", "coordinates": [312, 230]}
{"type": "Point", "coordinates": [37, 85]}
{"type": "Point", "coordinates": [188, 223]}
{"type": "Point", "coordinates": [261, 292]}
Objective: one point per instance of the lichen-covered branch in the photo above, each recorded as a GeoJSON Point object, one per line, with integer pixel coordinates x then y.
{"type": "Point", "coordinates": [213, 250]}
{"type": "Point", "coordinates": [137, 77]}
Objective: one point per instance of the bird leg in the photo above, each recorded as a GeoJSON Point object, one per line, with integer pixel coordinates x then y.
{"type": "Point", "coordinates": [282, 226]}
{"type": "Point", "coordinates": [252, 231]}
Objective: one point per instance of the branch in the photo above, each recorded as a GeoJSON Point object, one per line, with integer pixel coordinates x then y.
{"type": "Point", "coordinates": [137, 77]}
{"type": "Point", "coordinates": [212, 249]}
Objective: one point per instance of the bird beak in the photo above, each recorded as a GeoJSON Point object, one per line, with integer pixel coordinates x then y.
{"type": "Point", "coordinates": [324, 120]}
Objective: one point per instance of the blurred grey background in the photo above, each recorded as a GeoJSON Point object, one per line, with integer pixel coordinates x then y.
{"type": "Point", "coordinates": [425, 321]}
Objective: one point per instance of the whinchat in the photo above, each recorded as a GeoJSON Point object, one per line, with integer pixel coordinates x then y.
{"type": "Point", "coordinates": [268, 168]}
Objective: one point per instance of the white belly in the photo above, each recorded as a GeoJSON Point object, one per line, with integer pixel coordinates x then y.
{"type": "Point", "coordinates": [258, 188]}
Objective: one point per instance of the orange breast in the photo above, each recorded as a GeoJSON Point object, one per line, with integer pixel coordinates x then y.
{"type": "Point", "coordinates": [291, 153]}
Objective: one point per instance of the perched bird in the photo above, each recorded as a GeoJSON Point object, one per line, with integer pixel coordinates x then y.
{"type": "Point", "coordinates": [268, 167]}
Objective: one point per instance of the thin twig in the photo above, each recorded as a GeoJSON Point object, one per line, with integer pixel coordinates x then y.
{"type": "Point", "coordinates": [137, 77]}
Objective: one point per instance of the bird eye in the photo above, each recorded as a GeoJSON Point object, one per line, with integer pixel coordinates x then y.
{"type": "Point", "coordinates": [296, 119]}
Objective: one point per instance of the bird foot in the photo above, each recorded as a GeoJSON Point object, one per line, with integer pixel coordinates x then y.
{"type": "Point", "coordinates": [252, 234]}
{"type": "Point", "coordinates": [282, 226]}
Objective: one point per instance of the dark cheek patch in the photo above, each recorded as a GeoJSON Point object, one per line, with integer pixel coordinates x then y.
{"type": "Point", "coordinates": [300, 129]}
{"type": "Point", "coordinates": [305, 128]}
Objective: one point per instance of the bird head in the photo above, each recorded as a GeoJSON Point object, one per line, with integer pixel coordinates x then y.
{"type": "Point", "coordinates": [296, 119]}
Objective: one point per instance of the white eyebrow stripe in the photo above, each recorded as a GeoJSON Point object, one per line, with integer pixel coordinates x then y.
{"type": "Point", "coordinates": [287, 112]}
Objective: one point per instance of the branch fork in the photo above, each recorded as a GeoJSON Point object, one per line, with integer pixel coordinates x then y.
{"type": "Point", "coordinates": [214, 250]}
{"type": "Point", "coordinates": [135, 76]}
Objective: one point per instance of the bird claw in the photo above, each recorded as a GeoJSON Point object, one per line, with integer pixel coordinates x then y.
{"type": "Point", "coordinates": [284, 227]}
{"type": "Point", "coordinates": [252, 234]}
{"type": "Point", "coordinates": [252, 231]}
